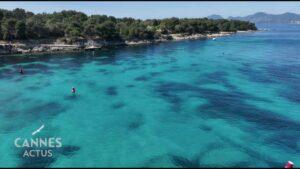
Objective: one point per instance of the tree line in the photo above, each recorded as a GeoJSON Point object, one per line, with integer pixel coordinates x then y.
{"type": "Point", "coordinates": [19, 24]}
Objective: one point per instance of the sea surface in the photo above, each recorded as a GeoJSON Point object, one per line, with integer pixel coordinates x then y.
{"type": "Point", "coordinates": [229, 102]}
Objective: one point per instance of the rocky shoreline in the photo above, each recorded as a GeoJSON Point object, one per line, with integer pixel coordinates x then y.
{"type": "Point", "coordinates": [54, 45]}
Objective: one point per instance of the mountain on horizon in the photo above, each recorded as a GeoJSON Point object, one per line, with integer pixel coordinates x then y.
{"type": "Point", "coordinates": [214, 17]}
{"type": "Point", "coordinates": [262, 17]}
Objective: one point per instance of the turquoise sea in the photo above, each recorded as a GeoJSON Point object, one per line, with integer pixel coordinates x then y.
{"type": "Point", "coordinates": [229, 102]}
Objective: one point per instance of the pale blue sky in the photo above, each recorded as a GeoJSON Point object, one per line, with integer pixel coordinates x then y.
{"type": "Point", "coordinates": [144, 10]}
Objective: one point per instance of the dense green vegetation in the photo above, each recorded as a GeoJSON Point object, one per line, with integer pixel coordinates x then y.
{"type": "Point", "coordinates": [21, 24]}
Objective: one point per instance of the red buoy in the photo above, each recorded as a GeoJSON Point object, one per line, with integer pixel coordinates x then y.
{"type": "Point", "coordinates": [289, 164]}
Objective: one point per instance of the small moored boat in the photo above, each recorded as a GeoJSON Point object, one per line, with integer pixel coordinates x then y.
{"type": "Point", "coordinates": [92, 47]}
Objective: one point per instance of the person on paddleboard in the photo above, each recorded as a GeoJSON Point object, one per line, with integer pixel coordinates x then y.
{"type": "Point", "coordinates": [73, 90]}
{"type": "Point", "coordinates": [21, 71]}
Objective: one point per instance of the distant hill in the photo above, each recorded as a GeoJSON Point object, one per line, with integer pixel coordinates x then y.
{"type": "Point", "coordinates": [262, 17]}
{"type": "Point", "coordinates": [214, 17]}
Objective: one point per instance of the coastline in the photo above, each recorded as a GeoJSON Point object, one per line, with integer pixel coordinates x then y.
{"type": "Point", "coordinates": [180, 37]}
{"type": "Point", "coordinates": [50, 46]}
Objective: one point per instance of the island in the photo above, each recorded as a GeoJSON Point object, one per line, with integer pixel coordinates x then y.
{"type": "Point", "coordinates": [23, 32]}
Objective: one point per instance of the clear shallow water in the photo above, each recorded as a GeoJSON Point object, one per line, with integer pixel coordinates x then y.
{"type": "Point", "coordinates": [233, 102]}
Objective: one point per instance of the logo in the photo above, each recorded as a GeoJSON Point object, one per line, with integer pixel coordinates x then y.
{"type": "Point", "coordinates": [37, 146]}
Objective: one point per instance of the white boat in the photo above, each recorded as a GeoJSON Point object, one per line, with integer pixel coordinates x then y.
{"type": "Point", "coordinates": [92, 47]}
